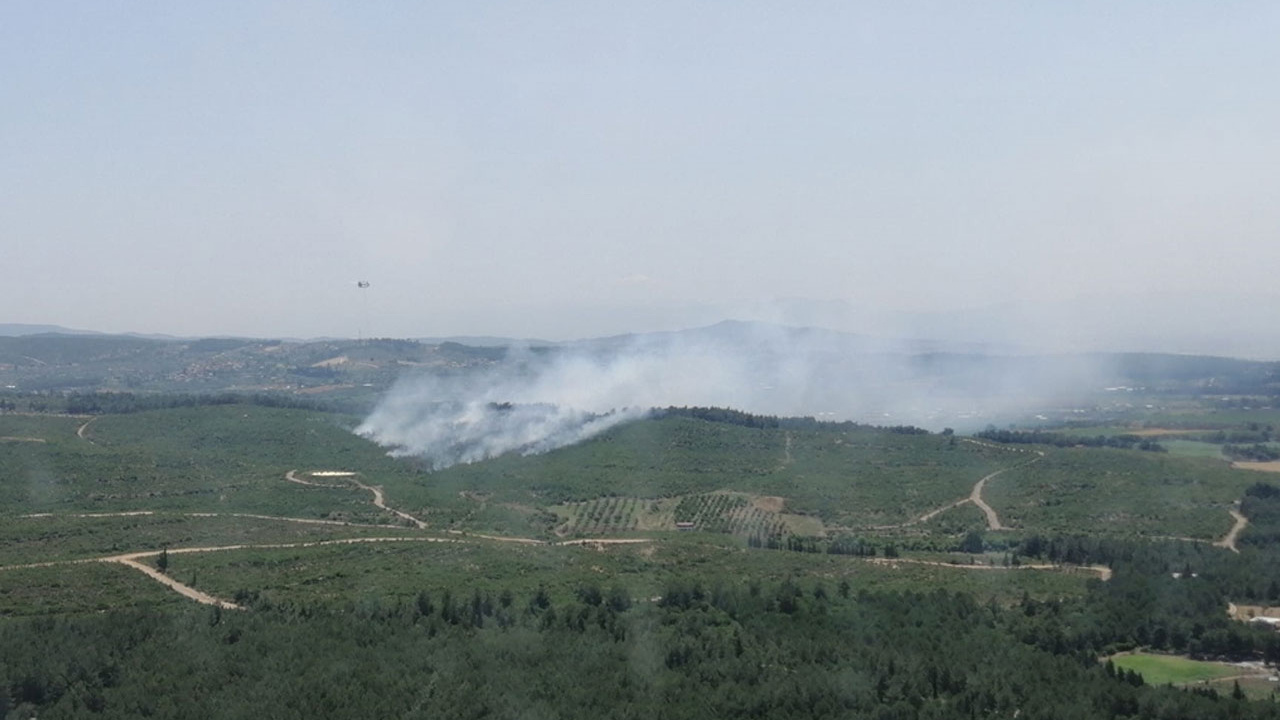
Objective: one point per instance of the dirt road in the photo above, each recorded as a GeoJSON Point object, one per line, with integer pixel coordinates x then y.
{"type": "Point", "coordinates": [923, 518]}
{"type": "Point", "coordinates": [183, 590]}
{"type": "Point", "coordinates": [379, 500]}
{"type": "Point", "coordinates": [251, 516]}
{"type": "Point", "coordinates": [601, 542]}
{"type": "Point", "coordinates": [1102, 571]}
{"type": "Point", "coordinates": [132, 560]}
{"type": "Point", "coordinates": [993, 520]}
{"type": "Point", "coordinates": [975, 495]}
{"type": "Point", "coordinates": [80, 431]}
{"type": "Point", "coordinates": [1228, 541]}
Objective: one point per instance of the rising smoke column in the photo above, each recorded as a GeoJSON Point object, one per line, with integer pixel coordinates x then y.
{"type": "Point", "coordinates": [537, 404]}
{"type": "Point", "coordinates": [534, 402]}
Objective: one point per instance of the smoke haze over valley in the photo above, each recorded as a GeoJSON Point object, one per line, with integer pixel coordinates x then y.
{"type": "Point", "coordinates": [540, 399]}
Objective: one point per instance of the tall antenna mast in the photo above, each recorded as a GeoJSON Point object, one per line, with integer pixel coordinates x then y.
{"type": "Point", "coordinates": [363, 285]}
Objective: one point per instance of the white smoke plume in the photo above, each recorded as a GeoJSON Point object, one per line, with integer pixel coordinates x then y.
{"type": "Point", "coordinates": [542, 399]}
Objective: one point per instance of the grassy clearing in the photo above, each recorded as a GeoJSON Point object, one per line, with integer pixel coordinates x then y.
{"type": "Point", "coordinates": [1193, 449]}
{"type": "Point", "coordinates": [1161, 669]}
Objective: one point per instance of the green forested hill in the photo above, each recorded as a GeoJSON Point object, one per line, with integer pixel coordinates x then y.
{"type": "Point", "coordinates": [828, 570]}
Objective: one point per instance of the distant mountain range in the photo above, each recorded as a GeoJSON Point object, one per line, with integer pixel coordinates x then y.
{"type": "Point", "coordinates": [24, 330]}
{"type": "Point", "coordinates": [21, 329]}
{"type": "Point", "coordinates": [792, 368]}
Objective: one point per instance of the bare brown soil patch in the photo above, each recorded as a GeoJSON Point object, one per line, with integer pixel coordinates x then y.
{"type": "Point", "coordinates": [1248, 612]}
{"type": "Point", "coordinates": [322, 389]}
{"type": "Point", "coordinates": [1152, 431]}
{"type": "Point", "coordinates": [769, 503]}
{"type": "Point", "coordinates": [1273, 466]}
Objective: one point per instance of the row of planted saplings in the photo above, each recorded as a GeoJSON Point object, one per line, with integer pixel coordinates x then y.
{"type": "Point", "coordinates": [719, 512]}
{"type": "Point", "coordinates": [609, 514]}
{"type": "Point", "coordinates": [711, 512]}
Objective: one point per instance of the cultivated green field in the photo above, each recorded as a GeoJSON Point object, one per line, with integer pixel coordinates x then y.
{"type": "Point", "coordinates": [1193, 449]}
{"type": "Point", "coordinates": [1161, 669]}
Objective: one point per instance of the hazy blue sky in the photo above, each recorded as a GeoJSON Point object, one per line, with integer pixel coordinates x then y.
{"type": "Point", "coordinates": [561, 169]}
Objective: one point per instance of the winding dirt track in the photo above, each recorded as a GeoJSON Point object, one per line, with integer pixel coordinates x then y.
{"type": "Point", "coordinates": [993, 520]}
{"type": "Point", "coordinates": [133, 560]}
{"type": "Point", "coordinates": [1229, 540]}
{"type": "Point", "coordinates": [252, 516]}
{"type": "Point", "coordinates": [975, 495]}
{"type": "Point", "coordinates": [379, 500]}
{"type": "Point", "coordinates": [80, 431]}
{"type": "Point", "coordinates": [925, 517]}
{"type": "Point", "coordinates": [183, 590]}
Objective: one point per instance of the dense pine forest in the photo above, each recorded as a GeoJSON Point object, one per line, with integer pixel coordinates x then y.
{"type": "Point", "coordinates": [796, 649]}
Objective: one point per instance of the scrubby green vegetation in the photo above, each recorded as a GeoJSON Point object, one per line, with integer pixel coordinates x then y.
{"type": "Point", "coordinates": [63, 537]}
{"type": "Point", "coordinates": [808, 585]}
{"type": "Point", "coordinates": [341, 573]}
{"type": "Point", "coordinates": [844, 475]}
{"type": "Point", "coordinates": [1257, 452]}
{"type": "Point", "coordinates": [215, 458]}
{"type": "Point", "coordinates": [1119, 492]}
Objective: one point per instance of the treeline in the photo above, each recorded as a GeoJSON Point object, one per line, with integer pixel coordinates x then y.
{"type": "Point", "coordinates": [1261, 504]}
{"type": "Point", "coordinates": [1167, 595]}
{"type": "Point", "coordinates": [720, 415]}
{"type": "Point", "coordinates": [813, 650]}
{"type": "Point", "coordinates": [1038, 437]}
{"type": "Point", "coordinates": [1256, 452]}
{"type": "Point", "coordinates": [1253, 433]}
{"type": "Point", "coordinates": [124, 403]}
{"type": "Point", "coordinates": [745, 419]}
